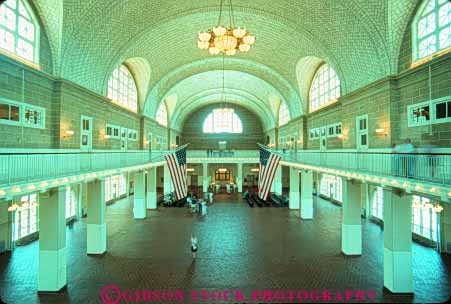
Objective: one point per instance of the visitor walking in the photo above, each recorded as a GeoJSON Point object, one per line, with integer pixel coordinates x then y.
{"type": "Point", "coordinates": [193, 245]}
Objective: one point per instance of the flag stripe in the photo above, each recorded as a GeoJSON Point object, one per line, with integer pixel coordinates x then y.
{"type": "Point", "coordinates": [269, 163]}
{"type": "Point", "coordinates": [176, 162]}
{"type": "Point", "coordinates": [268, 175]}
{"type": "Point", "coordinates": [172, 173]}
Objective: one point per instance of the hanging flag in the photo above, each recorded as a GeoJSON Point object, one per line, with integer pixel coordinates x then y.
{"type": "Point", "coordinates": [176, 162]}
{"type": "Point", "coordinates": [269, 162]}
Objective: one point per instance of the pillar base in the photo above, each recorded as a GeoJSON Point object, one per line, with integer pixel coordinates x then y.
{"type": "Point", "coordinates": [306, 208]}
{"type": "Point", "coordinates": [52, 275]}
{"type": "Point", "coordinates": [151, 200]}
{"type": "Point", "coordinates": [139, 208]}
{"type": "Point", "coordinates": [293, 202]}
{"type": "Point", "coordinates": [398, 277]}
{"type": "Point", "coordinates": [96, 238]}
{"type": "Point", "coordinates": [351, 239]}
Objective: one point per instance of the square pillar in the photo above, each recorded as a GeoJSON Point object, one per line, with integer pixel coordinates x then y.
{"type": "Point", "coordinates": [139, 201]}
{"type": "Point", "coordinates": [239, 177]}
{"type": "Point", "coordinates": [277, 184]}
{"type": "Point", "coordinates": [95, 223]}
{"type": "Point", "coordinates": [294, 188]}
{"type": "Point", "coordinates": [152, 188]}
{"type": "Point", "coordinates": [52, 275]}
{"type": "Point", "coordinates": [205, 179]}
{"type": "Point", "coordinates": [397, 241]}
{"type": "Point", "coordinates": [351, 227]}
{"type": "Point", "coordinates": [306, 194]}
{"type": "Point", "coordinates": [167, 182]}
{"type": "Point", "coordinates": [78, 193]}
{"type": "Point", "coordinates": [445, 229]}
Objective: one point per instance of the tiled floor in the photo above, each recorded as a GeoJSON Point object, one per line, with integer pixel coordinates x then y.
{"type": "Point", "coordinates": [240, 248]}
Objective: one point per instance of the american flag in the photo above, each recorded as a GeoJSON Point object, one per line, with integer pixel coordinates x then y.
{"type": "Point", "coordinates": [177, 168]}
{"type": "Point", "coordinates": [269, 162]}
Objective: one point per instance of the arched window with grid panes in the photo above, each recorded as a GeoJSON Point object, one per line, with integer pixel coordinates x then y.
{"type": "Point", "coordinates": [19, 31]}
{"type": "Point", "coordinates": [162, 115]}
{"type": "Point", "coordinates": [284, 114]}
{"type": "Point", "coordinates": [122, 89]}
{"type": "Point", "coordinates": [223, 120]}
{"type": "Point", "coordinates": [431, 29]}
{"type": "Point", "coordinates": [325, 88]}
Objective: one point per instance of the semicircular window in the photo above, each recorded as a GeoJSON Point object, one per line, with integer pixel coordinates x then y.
{"type": "Point", "coordinates": [223, 121]}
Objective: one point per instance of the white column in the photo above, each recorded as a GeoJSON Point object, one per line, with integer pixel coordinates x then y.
{"type": "Point", "coordinates": [351, 227]}
{"type": "Point", "coordinates": [152, 188]}
{"type": "Point", "coordinates": [139, 199]}
{"type": "Point", "coordinates": [306, 211]}
{"type": "Point", "coordinates": [239, 177]}
{"type": "Point", "coordinates": [52, 274]}
{"type": "Point", "coordinates": [445, 218]}
{"type": "Point", "coordinates": [367, 200]}
{"type": "Point", "coordinates": [96, 224]}
{"type": "Point", "coordinates": [78, 189]}
{"type": "Point", "coordinates": [167, 183]}
{"type": "Point", "coordinates": [277, 185]}
{"type": "Point", "coordinates": [294, 188]}
{"type": "Point", "coordinates": [205, 179]}
{"type": "Point", "coordinates": [397, 241]}
{"type": "Point", "coordinates": [5, 231]}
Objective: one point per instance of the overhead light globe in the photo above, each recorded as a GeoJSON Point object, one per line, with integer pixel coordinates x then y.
{"type": "Point", "coordinates": [204, 36]}
{"type": "Point", "coordinates": [203, 45]}
{"type": "Point", "coordinates": [249, 39]}
{"type": "Point", "coordinates": [244, 47]}
{"type": "Point", "coordinates": [239, 32]}
{"type": "Point", "coordinates": [219, 31]}
{"type": "Point", "coordinates": [225, 43]}
{"type": "Point", "coordinates": [230, 52]}
{"type": "Point", "coordinates": [214, 50]}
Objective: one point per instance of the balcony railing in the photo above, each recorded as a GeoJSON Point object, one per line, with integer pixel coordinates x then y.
{"type": "Point", "coordinates": [434, 168]}
{"type": "Point", "coordinates": [222, 154]}
{"type": "Point", "coordinates": [29, 167]}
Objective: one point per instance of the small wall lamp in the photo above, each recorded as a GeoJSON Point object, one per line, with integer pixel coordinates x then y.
{"type": "Point", "coordinates": [70, 132]}
{"type": "Point", "coordinates": [381, 131]}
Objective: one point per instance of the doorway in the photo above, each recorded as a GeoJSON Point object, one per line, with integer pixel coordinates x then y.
{"type": "Point", "coordinates": [86, 133]}
{"type": "Point", "coordinates": [362, 132]}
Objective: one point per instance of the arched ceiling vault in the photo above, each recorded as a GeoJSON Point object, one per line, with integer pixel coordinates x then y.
{"type": "Point", "coordinates": [360, 38]}
{"type": "Point", "coordinates": [190, 90]}
{"type": "Point", "coordinates": [259, 70]}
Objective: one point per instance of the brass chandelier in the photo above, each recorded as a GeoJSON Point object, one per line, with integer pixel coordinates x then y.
{"type": "Point", "coordinates": [225, 40]}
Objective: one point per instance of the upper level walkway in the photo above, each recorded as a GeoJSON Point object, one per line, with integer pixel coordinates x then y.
{"type": "Point", "coordinates": [23, 171]}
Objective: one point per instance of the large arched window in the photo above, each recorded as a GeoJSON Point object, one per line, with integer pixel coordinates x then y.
{"type": "Point", "coordinates": [223, 121]}
{"type": "Point", "coordinates": [122, 89]}
{"type": "Point", "coordinates": [162, 115]}
{"type": "Point", "coordinates": [325, 88]}
{"type": "Point", "coordinates": [431, 28]}
{"type": "Point", "coordinates": [284, 114]}
{"type": "Point", "coordinates": [19, 31]}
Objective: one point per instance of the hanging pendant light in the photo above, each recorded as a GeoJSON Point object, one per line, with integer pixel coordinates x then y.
{"type": "Point", "coordinates": [225, 40]}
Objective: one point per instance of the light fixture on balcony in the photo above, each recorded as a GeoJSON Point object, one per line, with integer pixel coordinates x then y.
{"type": "Point", "coordinates": [70, 132]}
{"type": "Point", "coordinates": [255, 170]}
{"type": "Point", "coordinates": [340, 136]}
{"type": "Point", "coordinates": [222, 170]}
{"type": "Point", "coordinates": [226, 40]}
{"type": "Point", "coordinates": [190, 170]}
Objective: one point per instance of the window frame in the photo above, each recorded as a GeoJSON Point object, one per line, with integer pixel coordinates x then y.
{"type": "Point", "coordinates": [284, 116]}
{"type": "Point", "coordinates": [432, 112]}
{"type": "Point", "coordinates": [228, 117]}
{"type": "Point", "coordinates": [315, 103]}
{"type": "Point", "coordinates": [416, 60]}
{"type": "Point", "coordinates": [22, 120]}
{"type": "Point", "coordinates": [37, 36]}
{"type": "Point", "coordinates": [117, 88]}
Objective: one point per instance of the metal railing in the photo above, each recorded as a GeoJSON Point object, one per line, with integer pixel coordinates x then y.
{"type": "Point", "coordinates": [429, 167]}
{"type": "Point", "coordinates": [222, 153]}
{"type": "Point", "coordinates": [29, 167]}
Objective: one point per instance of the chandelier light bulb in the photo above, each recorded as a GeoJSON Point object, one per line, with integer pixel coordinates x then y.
{"type": "Point", "coordinates": [204, 36]}
{"type": "Point", "coordinates": [214, 50]}
{"type": "Point", "coordinates": [230, 52]}
{"type": "Point", "coordinates": [203, 45]}
{"type": "Point", "coordinates": [244, 47]}
{"type": "Point", "coordinates": [225, 43]}
{"type": "Point", "coordinates": [249, 39]}
{"type": "Point", "coordinates": [219, 31]}
{"type": "Point", "coordinates": [239, 32]}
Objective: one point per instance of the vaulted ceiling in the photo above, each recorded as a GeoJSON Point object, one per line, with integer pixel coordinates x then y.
{"type": "Point", "coordinates": [359, 38]}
